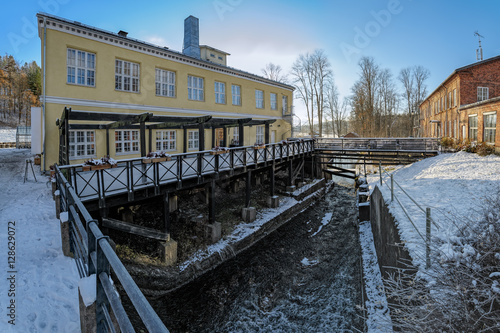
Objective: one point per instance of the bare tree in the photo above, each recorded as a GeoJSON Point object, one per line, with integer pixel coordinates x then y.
{"type": "Point", "coordinates": [337, 110]}
{"type": "Point", "coordinates": [303, 81]}
{"type": "Point", "coordinates": [274, 72]}
{"type": "Point", "coordinates": [413, 80]}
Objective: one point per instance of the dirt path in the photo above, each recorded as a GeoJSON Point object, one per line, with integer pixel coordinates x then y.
{"type": "Point", "coordinates": [304, 277]}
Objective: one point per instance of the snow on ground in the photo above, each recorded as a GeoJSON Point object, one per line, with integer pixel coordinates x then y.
{"type": "Point", "coordinates": [454, 186]}
{"type": "Point", "coordinates": [45, 281]}
{"type": "Point", "coordinates": [7, 135]}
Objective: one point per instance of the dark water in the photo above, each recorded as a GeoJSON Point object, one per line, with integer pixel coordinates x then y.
{"type": "Point", "coordinates": [304, 277]}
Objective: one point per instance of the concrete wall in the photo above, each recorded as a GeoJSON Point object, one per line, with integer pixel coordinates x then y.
{"type": "Point", "coordinates": [390, 252]}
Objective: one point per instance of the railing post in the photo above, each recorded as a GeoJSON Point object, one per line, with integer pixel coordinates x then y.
{"type": "Point", "coordinates": [380, 171]}
{"type": "Point", "coordinates": [392, 188]}
{"type": "Point", "coordinates": [101, 299]}
{"type": "Point", "coordinates": [428, 238]}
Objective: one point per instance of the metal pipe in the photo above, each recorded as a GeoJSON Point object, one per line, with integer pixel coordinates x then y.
{"type": "Point", "coordinates": [44, 92]}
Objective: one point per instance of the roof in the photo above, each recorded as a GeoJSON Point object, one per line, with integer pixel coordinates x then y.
{"type": "Point", "coordinates": [456, 71]}
{"type": "Point", "coordinates": [179, 56]}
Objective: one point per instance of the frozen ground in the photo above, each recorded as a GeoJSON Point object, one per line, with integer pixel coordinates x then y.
{"type": "Point", "coordinates": [7, 135]}
{"type": "Point", "coordinates": [454, 186]}
{"type": "Point", "coordinates": [45, 282]}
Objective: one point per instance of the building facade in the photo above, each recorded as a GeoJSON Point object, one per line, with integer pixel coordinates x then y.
{"type": "Point", "coordinates": [465, 106]}
{"type": "Point", "coordinates": [92, 70]}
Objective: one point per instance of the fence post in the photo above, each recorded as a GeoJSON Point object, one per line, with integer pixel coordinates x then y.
{"type": "Point", "coordinates": [380, 171]}
{"type": "Point", "coordinates": [392, 188]}
{"type": "Point", "coordinates": [428, 238]}
{"type": "Point", "coordinates": [102, 303]}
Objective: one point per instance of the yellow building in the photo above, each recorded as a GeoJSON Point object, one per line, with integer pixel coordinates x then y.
{"type": "Point", "coordinates": [100, 72]}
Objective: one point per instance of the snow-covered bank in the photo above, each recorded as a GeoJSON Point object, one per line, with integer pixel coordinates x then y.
{"type": "Point", "coordinates": [46, 282]}
{"type": "Point", "coordinates": [7, 135]}
{"type": "Point", "coordinates": [454, 186]}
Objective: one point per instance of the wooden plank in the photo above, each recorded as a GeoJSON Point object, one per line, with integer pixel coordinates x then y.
{"type": "Point", "coordinates": [134, 229]}
{"type": "Point", "coordinates": [340, 174]}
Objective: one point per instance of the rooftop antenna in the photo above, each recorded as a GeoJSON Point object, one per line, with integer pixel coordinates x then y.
{"type": "Point", "coordinates": [479, 51]}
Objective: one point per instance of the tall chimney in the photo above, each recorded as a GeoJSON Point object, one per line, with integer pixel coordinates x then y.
{"type": "Point", "coordinates": [192, 37]}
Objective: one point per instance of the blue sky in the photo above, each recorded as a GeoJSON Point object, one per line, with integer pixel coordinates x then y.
{"type": "Point", "coordinates": [438, 35]}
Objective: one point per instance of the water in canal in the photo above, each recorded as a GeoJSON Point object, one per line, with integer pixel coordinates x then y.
{"type": "Point", "coordinates": [304, 277]}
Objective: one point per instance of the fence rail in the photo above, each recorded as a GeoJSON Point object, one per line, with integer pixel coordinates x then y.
{"type": "Point", "coordinates": [379, 144]}
{"type": "Point", "coordinates": [131, 175]}
{"type": "Point", "coordinates": [94, 255]}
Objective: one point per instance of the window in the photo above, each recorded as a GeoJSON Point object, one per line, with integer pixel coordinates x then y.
{"type": "Point", "coordinates": [274, 101]}
{"type": "Point", "coordinates": [482, 93]}
{"type": "Point", "coordinates": [236, 135]}
{"type": "Point", "coordinates": [490, 127]}
{"type": "Point", "coordinates": [193, 140]}
{"type": "Point", "coordinates": [259, 99]}
{"type": "Point", "coordinates": [473, 128]}
{"type": "Point", "coordinates": [259, 137]}
{"type": "Point", "coordinates": [127, 142]}
{"type": "Point", "coordinates": [165, 83]}
{"type": "Point", "coordinates": [220, 93]}
{"type": "Point", "coordinates": [455, 97]}
{"type": "Point", "coordinates": [195, 88]}
{"type": "Point", "coordinates": [81, 144]}
{"type": "Point", "coordinates": [126, 76]}
{"type": "Point", "coordinates": [284, 101]}
{"type": "Point", "coordinates": [236, 92]}
{"type": "Point", "coordinates": [165, 140]}
{"type": "Point", "coordinates": [81, 68]}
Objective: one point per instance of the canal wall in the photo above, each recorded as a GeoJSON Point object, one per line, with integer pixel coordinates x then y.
{"type": "Point", "coordinates": [391, 253]}
{"type": "Point", "coordinates": [156, 281]}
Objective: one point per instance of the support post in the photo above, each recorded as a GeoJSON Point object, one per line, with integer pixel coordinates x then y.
{"type": "Point", "coordinates": [107, 141]}
{"type": "Point", "coordinates": [150, 140]}
{"type": "Point", "coordinates": [211, 203]}
{"type": "Point", "coordinates": [224, 143]}
{"type": "Point", "coordinates": [392, 188]}
{"type": "Point", "coordinates": [166, 213]}
{"type": "Point", "coordinates": [428, 238]}
{"type": "Point", "coordinates": [184, 138]}
{"type": "Point", "coordinates": [241, 138]}
{"type": "Point", "coordinates": [201, 136]}
{"type": "Point", "coordinates": [266, 133]}
{"type": "Point", "coordinates": [248, 189]}
{"type": "Point", "coordinates": [143, 138]}
{"type": "Point", "coordinates": [380, 171]}
{"type": "Point", "coordinates": [213, 137]}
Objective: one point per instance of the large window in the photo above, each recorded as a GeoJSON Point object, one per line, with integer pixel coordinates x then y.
{"type": "Point", "coordinates": [236, 92]}
{"type": "Point", "coordinates": [490, 127]}
{"type": "Point", "coordinates": [284, 102]}
{"type": "Point", "coordinates": [259, 99]}
{"type": "Point", "coordinates": [236, 136]}
{"type": "Point", "coordinates": [81, 144]}
{"type": "Point", "coordinates": [127, 141]}
{"type": "Point", "coordinates": [81, 67]}
{"type": "Point", "coordinates": [126, 76]}
{"type": "Point", "coordinates": [165, 83]}
{"type": "Point", "coordinates": [482, 93]}
{"type": "Point", "coordinates": [220, 92]}
{"type": "Point", "coordinates": [195, 88]}
{"type": "Point", "coordinates": [274, 101]}
{"type": "Point", "coordinates": [165, 140]}
{"type": "Point", "coordinates": [193, 140]}
{"type": "Point", "coordinates": [455, 97]}
{"type": "Point", "coordinates": [473, 128]}
{"type": "Point", "coordinates": [259, 137]}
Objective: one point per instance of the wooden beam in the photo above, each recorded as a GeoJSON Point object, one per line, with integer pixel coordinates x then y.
{"type": "Point", "coordinates": [134, 229]}
{"type": "Point", "coordinates": [141, 118]}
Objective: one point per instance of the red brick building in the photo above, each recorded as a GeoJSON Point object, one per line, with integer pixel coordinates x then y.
{"type": "Point", "coordinates": [465, 105]}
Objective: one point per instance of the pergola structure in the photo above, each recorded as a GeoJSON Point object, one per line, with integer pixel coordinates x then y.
{"type": "Point", "coordinates": [146, 122]}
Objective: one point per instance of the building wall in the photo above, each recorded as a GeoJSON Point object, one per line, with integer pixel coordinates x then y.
{"type": "Point", "coordinates": [104, 98]}
{"type": "Point", "coordinates": [484, 75]}
{"type": "Point", "coordinates": [480, 111]}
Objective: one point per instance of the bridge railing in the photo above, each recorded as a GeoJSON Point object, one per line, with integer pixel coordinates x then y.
{"type": "Point", "coordinates": [131, 175]}
{"type": "Point", "coordinates": [94, 255]}
{"type": "Point", "coordinates": [378, 144]}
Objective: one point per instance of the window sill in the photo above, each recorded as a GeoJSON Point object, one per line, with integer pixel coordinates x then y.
{"type": "Point", "coordinates": [80, 85]}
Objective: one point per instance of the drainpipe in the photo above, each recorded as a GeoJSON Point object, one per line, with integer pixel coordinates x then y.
{"type": "Point", "coordinates": [44, 91]}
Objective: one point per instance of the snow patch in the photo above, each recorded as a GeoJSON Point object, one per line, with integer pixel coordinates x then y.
{"type": "Point", "coordinates": [324, 222]}
{"type": "Point", "coordinates": [87, 287]}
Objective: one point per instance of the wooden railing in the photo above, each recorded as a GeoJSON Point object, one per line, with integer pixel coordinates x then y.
{"type": "Point", "coordinates": [378, 144]}
{"type": "Point", "coordinates": [133, 174]}
{"type": "Point", "coordinates": [94, 255]}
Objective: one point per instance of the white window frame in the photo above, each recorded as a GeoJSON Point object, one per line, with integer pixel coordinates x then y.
{"type": "Point", "coordinates": [472, 128]}
{"type": "Point", "coordinates": [166, 140]}
{"type": "Point", "coordinates": [236, 94]}
{"type": "Point", "coordinates": [80, 67]}
{"type": "Point", "coordinates": [236, 135]}
{"type": "Point", "coordinates": [127, 142]}
{"type": "Point", "coordinates": [284, 103]}
{"type": "Point", "coordinates": [482, 93]}
{"type": "Point", "coordinates": [196, 88]}
{"type": "Point", "coordinates": [81, 141]}
{"type": "Point", "coordinates": [259, 134]}
{"type": "Point", "coordinates": [193, 137]}
{"type": "Point", "coordinates": [127, 76]}
{"type": "Point", "coordinates": [273, 99]}
{"type": "Point", "coordinates": [220, 92]}
{"type": "Point", "coordinates": [164, 83]}
{"type": "Point", "coordinates": [259, 99]}
{"type": "Point", "coordinates": [490, 139]}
